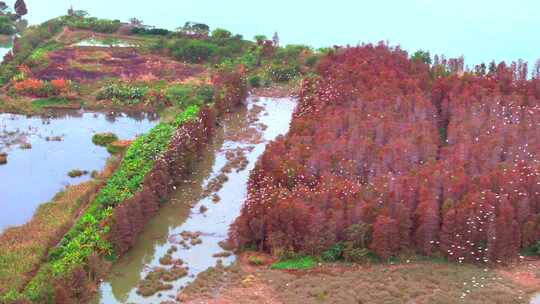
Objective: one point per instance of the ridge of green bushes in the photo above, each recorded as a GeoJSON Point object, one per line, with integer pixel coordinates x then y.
{"type": "Point", "coordinates": [87, 236]}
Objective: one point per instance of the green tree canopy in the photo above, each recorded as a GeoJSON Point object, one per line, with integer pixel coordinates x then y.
{"type": "Point", "coordinates": [422, 56]}
{"type": "Point", "coordinates": [220, 33]}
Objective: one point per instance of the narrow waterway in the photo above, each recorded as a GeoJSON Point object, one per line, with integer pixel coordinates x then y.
{"type": "Point", "coordinates": [191, 226]}
{"type": "Point", "coordinates": [41, 150]}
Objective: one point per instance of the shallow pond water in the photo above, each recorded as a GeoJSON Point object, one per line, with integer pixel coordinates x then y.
{"type": "Point", "coordinates": [535, 299]}
{"type": "Point", "coordinates": [233, 153]}
{"type": "Point", "coordinates": [54, 146]}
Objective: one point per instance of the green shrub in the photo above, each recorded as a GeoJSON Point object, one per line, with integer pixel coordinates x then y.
{"type": "Point", "coordinates": [195, 51]}
{"type": "Point", "coordinates": [7, 27]}
{"type": "Point", "coordinates": [290, 53]}
{"type": "Point", "coordinates": [255, 81]}
{"type": "Point", "coordinates": [103, 139]}
{"type": "Point", "coordinates": [216, 50]}
{"type": "Point", "coordinates": [205, 93]}
{"type": "Point", "coordinates": [114, 149]}
{"type": "Point", "coordinates": [93, 24]}
{"type": "Point", "coordinates": [249, 59]}
{"type": "Point", "coordinates": [221, 34]}
{"type": "Point", "coordinates": [333, 253]}
{"type": "Point", "coordinates": [176, 94]}
{"type": "Point", "coordinates": [295, 264]}
{"type": "Point", "coordinates": [41, 52]}
{"type": "Point", "coordinates": [283, 73]}
{"type": "Point", "coordinates": [533, 250]}
{"type": "Point", "coordinates": [312, 60]}
{"type": "Point", "coordinates": [123, 93]}
{"type": "Point", "coordinates": [255, 260]}
{"type": "Point", "coordinates": [179, 95]}
{"type": "Point", "coordinates": [357, 255]}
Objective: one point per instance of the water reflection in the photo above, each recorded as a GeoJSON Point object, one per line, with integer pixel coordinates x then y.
{"type": "Point", "coordinates": [60, 141]}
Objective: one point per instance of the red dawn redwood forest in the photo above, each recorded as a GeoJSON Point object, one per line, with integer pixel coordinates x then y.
{"type": "Point", "coordinates": [387, 154]}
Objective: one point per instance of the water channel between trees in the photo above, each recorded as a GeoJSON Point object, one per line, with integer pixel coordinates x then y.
{"type": "Point", "coordinates": [198, 217]}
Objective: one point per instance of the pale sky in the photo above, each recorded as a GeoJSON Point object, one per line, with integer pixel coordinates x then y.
{"type": "Point", "coordinates": [480, 30]}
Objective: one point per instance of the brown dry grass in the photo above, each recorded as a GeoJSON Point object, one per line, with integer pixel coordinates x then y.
{"type": "Point", "coordinates": [415, 282]}
{"type": "Point", "coordinates": [24, 248]}
{"type": "Point", "coordinates": [22, 105]}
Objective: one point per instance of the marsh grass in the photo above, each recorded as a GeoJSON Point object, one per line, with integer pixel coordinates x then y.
{"type": "Point", "coordinates": [421, 281]}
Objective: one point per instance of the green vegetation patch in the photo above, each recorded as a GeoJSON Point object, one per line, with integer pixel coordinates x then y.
{"type": "Point", "coordinates": [92, 23]}
{"type": "Point", "coordinates": [533, 250]}
{"type": "Point", "coordinates": [40, 54]}
{"type": "Point", "coordinates": [103, 139]}
{"type": "Point", "coordinates": [7, 26]}
{"type": "Point", "coordinates": [123, 92]}
{"type": "Point", "coordinates": [178, 95]}
{"type": "Point", "coordinates": [39, 104]}
{"type": "Point", "coordinates": [300, 263]}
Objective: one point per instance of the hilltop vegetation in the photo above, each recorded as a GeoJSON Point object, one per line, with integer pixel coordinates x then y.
{"type": "Point", "coordinates": [100, 63]}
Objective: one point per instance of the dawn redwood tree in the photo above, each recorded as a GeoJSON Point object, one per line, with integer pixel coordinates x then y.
{"type": "Point", "coordinates": [385, 237]}
{"type": "Point", "coordinates": [503, 235]}
{"type": "Point", "coordinates": [424, 157]}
